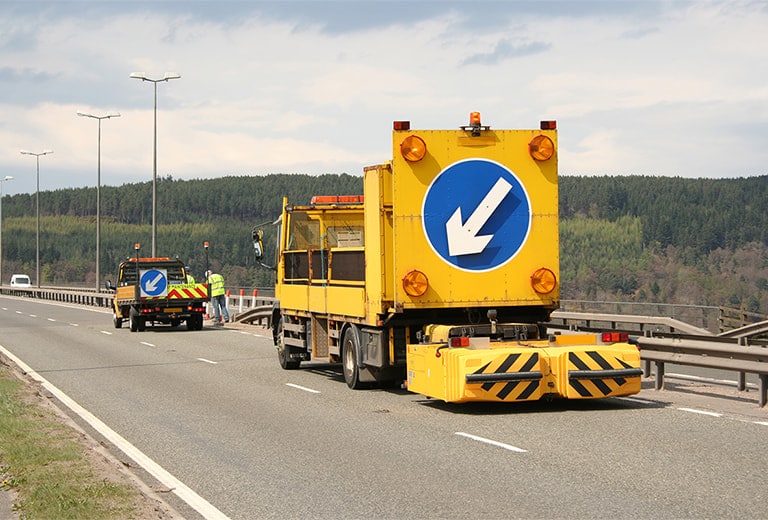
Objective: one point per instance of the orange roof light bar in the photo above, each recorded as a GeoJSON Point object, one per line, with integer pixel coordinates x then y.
{"type": "Point", "coordinates": [548, 125]}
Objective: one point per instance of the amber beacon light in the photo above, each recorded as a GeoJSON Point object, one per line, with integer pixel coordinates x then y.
{"type": "Point", "coordinates": [543, 281]}
{"type": "Point", "coordinates": [413, 148]}
{"type": "Point", "coordinates": [415, 283]}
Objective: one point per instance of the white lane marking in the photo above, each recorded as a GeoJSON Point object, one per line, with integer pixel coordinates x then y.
{"type": "Point", "coordinates": [707, 379]}
{"type": "Point", "coordinates": [635, 400]}
{"type": "Point", "coordinates": [208, 361]}
{"type": "Point", "coordinates": [19, 312]}
{"type": "Point", "coordinates": [701, 412]}
{"type": "Point", "coordinates": [33, 315]}
{"type": "Point", "coordinates": [74, 324]}
{"type": "Point", "coordinates": [195, 501]}
{"type": "Point", "coordinates": [51, 319]}
{"type": "Point", "coordinates": [303, 388]}
{"type": "Point", "coordinates": [492, 442]}
{"type": "Point", "coordinates": [106, 332]}
{"type": "Point", "coordinates": [761, 423]}
{"type": "Point", "coordinates": [147, 344]}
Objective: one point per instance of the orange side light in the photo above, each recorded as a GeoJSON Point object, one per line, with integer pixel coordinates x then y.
{"type": "Point", "coordinates": [541, 148]}
{"type": "Point", "coordinates": [413, 148]}
{"type": "Point", "coordinates": [543, 281]}
{"type": "Point", "coordinates": [415, 283]}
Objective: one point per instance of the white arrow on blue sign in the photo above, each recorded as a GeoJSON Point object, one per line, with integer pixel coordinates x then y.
{"type": "Point", "coordinates": [154, 282]}
{"type": "Point", "coordinates": [476, 215]}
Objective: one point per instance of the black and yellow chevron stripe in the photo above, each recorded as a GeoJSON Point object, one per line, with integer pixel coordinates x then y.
{"type": "Point", "coordinates": [594, 374]}
{"type": "Point", "coordinates": [514, 377]}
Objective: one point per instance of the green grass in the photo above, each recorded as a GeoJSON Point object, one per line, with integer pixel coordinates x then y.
{"type": "Point", "coordinates": [43, 461]}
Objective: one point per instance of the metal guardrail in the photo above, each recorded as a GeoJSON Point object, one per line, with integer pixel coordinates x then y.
{"type": "Point", "coordinates": [621, 321]}
{"type": "Point", "coordinates": [711, 352]}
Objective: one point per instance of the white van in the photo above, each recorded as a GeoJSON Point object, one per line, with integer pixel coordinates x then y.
{"type": "Point", "coordinates": [20, 280]}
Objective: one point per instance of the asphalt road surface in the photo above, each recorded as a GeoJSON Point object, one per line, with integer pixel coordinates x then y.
{"type": "Point", "coordinates": [214, 408]}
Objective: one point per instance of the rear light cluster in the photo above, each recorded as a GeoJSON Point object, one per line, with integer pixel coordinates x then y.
{"type": "Point", "coordinates": [461, 341]}
{"type": "Point", "coordinates": [615, 337]}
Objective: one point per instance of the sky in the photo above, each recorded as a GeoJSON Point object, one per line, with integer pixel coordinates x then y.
{"type": "Point", "coordinates": [659, 88]}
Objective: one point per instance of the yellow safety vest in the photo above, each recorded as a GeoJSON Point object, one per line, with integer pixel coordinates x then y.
{"type": "Point", "coordinates": [216, 281]}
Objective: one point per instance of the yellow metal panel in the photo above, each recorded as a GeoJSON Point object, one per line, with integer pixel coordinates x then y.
{"type": "Point", "coordinates": [585, 371]}
{"type": "Point", "coordinates": [449, 285]}
{"type": "Point", "coordinates": [462, 374]}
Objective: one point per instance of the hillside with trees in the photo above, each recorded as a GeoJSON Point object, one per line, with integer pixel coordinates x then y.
{"type": "Point", "coordinates": [637, 238]}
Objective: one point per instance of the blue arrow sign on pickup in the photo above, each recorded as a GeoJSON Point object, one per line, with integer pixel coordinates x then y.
{"type": "Point", "coordinates": [476, 215]}
{"type": "Point", "coordinates": [154, 282]}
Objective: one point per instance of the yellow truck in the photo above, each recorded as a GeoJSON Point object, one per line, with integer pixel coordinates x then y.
{"type": "Point", "coordinates": [157, 290]}
{"type": "Point", "coordinates": [442, 275]}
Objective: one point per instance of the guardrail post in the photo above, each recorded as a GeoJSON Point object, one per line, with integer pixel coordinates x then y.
{"type": "Point", "coordinates": [242, 296]}
{"type": "Point", "coordinates": [659, 385]}
{"type": "Point", "coordinates": [742, 385]}
{"type": "Point", "coordinates": [763, 389]}
{"type": "Point", "coordinates": [253, 301]}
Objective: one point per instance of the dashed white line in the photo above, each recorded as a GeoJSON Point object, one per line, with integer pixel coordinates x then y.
{"type": "Point", "coordinates": [761, 423]}
{"type": "Point", "coordinates": [106, 332]}
{"type": "Point", "coordinates": [701, 412]}
{"type": "Point", "coordinates": [74, 324]}
{"type": "Point", "coordinates": [33, 315]}
{"type": "Point", "coordinates": [208, 361]}
{"type": "Point", "coordinates": [635, 400]}
{"type": "Point", "coordinates": [304, 388]}
{"type": "Point", "coordinates": [146, 344]}
{"type": "Point", "coordinates": [492, 442]}
{"type": "Point", "coordinates": [51, 319]}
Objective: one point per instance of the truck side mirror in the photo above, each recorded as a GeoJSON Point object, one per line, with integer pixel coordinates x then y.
{"type": "Point", "coordinates": [258, 245]}
{"type": "Point", "coordinates": [109, 286]}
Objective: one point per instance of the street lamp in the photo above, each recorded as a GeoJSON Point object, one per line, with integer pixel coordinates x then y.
{"type": "Point", "coordinates": [4, 179]}
{"type": "Point", "coordinates": [143, 77]}
{"type": "Point", "coordinates": [98, 194]}
{"type": "Point", "coordinates": [37, 203]}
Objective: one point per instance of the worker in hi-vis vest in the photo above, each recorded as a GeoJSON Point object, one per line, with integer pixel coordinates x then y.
{"type": "Point", "coordinates": [218, 297]}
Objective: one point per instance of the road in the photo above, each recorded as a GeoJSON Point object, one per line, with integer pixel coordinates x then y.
{"type": "Point", "coordinates": [215, 410]}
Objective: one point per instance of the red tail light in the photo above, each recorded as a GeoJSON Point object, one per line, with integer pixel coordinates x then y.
{"type": "Point", "coordinates": [615, 337]}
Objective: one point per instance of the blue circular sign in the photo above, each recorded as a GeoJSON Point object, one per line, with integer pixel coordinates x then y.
{"type": "Point", "coordinates": [476, 215]}
{"type": "Point", "coordinates": [154, 282]}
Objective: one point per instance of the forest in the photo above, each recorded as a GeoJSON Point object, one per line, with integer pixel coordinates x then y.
{"type": "Point", "coordinates": [623, 238]}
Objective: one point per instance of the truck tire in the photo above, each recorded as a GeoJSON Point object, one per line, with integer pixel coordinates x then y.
{"type": "Point", "coordinates": [195, 322]}
{"type": "Point", "coordinates": [133, 319]}
{"type": "Point", "coordinates": [117, 322]}
{"type": "Point", "coordinates": [350, 350]}
{"type": "Point", "coordinates": [282, 350]}
{"type": "Point", "coordinates": [138, 323]}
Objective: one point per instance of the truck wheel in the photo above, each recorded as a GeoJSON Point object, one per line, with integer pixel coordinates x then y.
{"type": "Point", "coordinates": [282, 351]}
{"type": "Point", "coordinates": [195, 322]}
{"type": "Point", "coordinates": [133, 320]}
{"type": "Point", "coordinates": [350, 348]}
{"type": "Point", "coordinates": [117, 322]}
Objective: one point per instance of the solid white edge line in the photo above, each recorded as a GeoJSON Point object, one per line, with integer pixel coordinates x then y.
{"type": "Point", "coordinates": [195, 501]}
{"type": "Point", "coordinates": [492, 442]}
{"type": "Point", "coordinates": [701, 412]}
{"type": "Point", "coordinates": [635, 400]}
{"type": "Point", "coordinates": [311, 391]}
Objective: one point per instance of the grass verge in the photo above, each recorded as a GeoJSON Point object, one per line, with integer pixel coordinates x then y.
{"type": "Point", "coordinates": [48, 466]}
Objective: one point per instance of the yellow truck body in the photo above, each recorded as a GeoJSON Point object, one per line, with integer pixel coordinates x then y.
{"type": "Point", "coordinates": [446, 266]}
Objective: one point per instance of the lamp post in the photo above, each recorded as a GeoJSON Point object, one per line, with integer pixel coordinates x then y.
{"type": "Point", "coordinates": [98, 194]}
{"type": "Point", "coordinates": [37, 204]}
{"type": "Point", "coordinates": [143, 77]}
{"type": "Point", "coordinates": [4, 179]}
